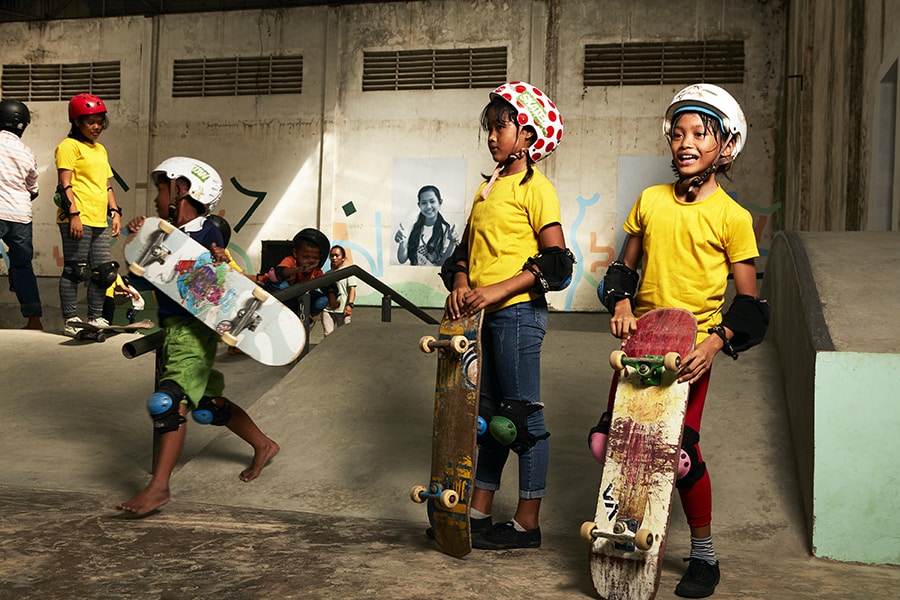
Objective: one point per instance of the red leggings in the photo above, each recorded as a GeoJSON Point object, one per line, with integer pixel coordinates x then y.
{"type": "Point", "coordinates": [696, 501]}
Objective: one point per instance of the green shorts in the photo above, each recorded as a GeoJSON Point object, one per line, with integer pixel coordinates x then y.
{"type": "Point", "coordinates": [190, 351]}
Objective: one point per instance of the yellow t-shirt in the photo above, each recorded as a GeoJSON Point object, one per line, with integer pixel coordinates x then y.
{"type": "Point", "coordinates": [504, 228]}
{"type": "Point", "coordinates": [688, 251]}
{"type": "Point", "coordinates": [91, 172]}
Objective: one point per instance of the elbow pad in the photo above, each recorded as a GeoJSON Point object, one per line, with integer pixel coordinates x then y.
{"type": "Point", "coordinates": [554, 269]}
{"type": "Point", "coordinates": [620, 282]}
{"type": "Point", "coordinates": [748, 318]}
{"type": "Point", "coordinates": [450, 267]}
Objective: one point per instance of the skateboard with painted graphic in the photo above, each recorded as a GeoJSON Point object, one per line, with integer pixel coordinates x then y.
{"type": "Point", "coordinates": [457, 385]}
{"type": "Point", "coordinates": [628, 533]}
{"type": "Point", "coordinates": [241, 312]}
{"type": "Point", "coordinates": [100, 333]}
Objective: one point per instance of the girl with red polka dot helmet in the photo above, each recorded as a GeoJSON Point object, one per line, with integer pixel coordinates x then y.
{"type": "Point", "coordinates": [535, 110]}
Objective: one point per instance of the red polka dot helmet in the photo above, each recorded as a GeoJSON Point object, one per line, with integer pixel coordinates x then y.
{"type": "Point", "coordinates": [538, 111]}
{"type": "Point", "coordinates": [85, 104]}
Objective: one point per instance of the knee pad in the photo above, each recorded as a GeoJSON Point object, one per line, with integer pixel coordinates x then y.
{"type": "Point", "coordinates": [210, 413]}
{"type": "Point", "coordinates": [76, 271]}
{"type": "Point", "coordinates": [163, 407]}
{"type": "Point", "coordinates": [104, 275]}
{"type": "Point", "coordinates": [690, 467]}
{"type": "Point", "coordinates": [510, 425]}
{"type": "Point", "coordinates": [598, 437]}
{"type": "Point", "coordinates": [318, 302]}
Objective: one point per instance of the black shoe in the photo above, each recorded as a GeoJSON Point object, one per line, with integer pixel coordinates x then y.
{"type": "Point", "coordinates": [700, 580]}
{"type": "Point", "coordinates": [504, 536]}
{"type": "Point", "coordinates": [476, 526]}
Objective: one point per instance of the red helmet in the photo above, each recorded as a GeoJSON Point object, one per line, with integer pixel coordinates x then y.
{"type": "Point", "coordinates": [85, 104]}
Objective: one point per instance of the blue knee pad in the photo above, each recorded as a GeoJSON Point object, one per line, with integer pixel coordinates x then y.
{"type": "Point", "coordinates": [163, 407]}
{"type": "Point", "coordinates": [210, 413]}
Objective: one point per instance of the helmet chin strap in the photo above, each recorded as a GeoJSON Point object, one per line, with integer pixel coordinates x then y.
{"type": "Point", "coordinates": [502, 165]}
{"type": "Point", "coordinates": [694, 183]}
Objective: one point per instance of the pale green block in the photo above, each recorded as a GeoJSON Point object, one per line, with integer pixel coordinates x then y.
{"type": "Point", "coordinates": [856, 487]}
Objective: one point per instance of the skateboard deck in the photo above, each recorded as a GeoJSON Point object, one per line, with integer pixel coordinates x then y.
{"type": "Point", "coordinates": [225, 300]}
{"type": "Point", "coordinates": [454, 436]}
{"type": "Point", "coordinates": [628, 533]}
{"type": "Point", "coordinates": [96, 333]}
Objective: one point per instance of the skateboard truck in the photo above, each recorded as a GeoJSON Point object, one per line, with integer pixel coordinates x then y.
{"type": "Point", "coordinates": [649, 368]}
{"type": "Point", "coordinates": [155, 251]}
{"type": "Point", "coordinates": [457, 344]}
{"type": "Point", "coordinates": [626, 535]}
{"type": "Point", "coordinates": [247, 317]}
{"type": "Point", "coordinates": [445, 498]}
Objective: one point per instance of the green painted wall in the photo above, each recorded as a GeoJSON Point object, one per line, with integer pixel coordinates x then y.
{"type": "Point", "coordinates": [857, 478]}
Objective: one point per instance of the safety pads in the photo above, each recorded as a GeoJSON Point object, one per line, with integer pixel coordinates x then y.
{"type": "Point", "coordinates": [510, 425]}
{"type": "Point", "coordinates": [697, 468]}
{"type": "Point", "coordinates": [748, 318]}
{"type": "Point", "coordinates": [554, 269]}
{"type": "Point", "coordinates": [451, 266]}
{"type": "Point", "coordinates": [76, 271]}
{"type": "Point", "coordinates": [104, 275]}
{"type": "Point", "coordinates": [209, 412]}
{"type": "Point", "coordinates": [163, 407]}
{"type": "Point", "coordinates": [620, 282]}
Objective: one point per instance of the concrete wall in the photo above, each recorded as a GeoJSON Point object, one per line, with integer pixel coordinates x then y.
{"type": "Point", "coordinates": [841, 105]}
{"type": "Point", "coordinates": [345, 160]}
{"type": "Point", "coordinates": [840, 356]}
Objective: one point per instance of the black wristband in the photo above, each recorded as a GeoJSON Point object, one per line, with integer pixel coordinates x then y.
{"type": "Point", "coordinates": [727, 348]}
{"type": "Point", "coordinates": [111, 210]}
{"type": "Point", "coordinates": [74, 214]}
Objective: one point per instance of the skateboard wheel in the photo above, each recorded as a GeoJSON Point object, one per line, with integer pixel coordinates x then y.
{"type": "Point", "coordinates": [416, 492]}
{"type": "Point", "coordinates": [672, 361]}
{"type": "Point", "coordinates": [615, 359]}
{"type": "Point", "coordinates": [643, 539]}
{"type": "Point", "coordinates": [136, 269]}
{"type": "Point", "coordinates": [449, 499]}
{"type": "Point", "coordinates": [459, 343]}
{"type": "Point", "coordinates": [101, 337]}
{"type": "Point", "coordinates": [260, 294]}
{"type": "Point", "coordinates": [166, 227]}
{"type": "Point", "coordinates": [229, 339]}
{"type": "Point", "coordinates": [425, 344]}
{"type": "Point", "coordinates": [587, 531]}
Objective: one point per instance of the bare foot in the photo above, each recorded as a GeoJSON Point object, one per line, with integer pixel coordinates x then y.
{"type": "Point", "coordinates": [34, 323]}
{"type": "Point", "coordinates": [145, 502]}
{"type": "Point", "coordinates": [261, 458]}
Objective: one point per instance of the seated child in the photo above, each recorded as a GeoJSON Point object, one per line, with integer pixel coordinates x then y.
{"type": "Point", "coordinates": [305, 263]}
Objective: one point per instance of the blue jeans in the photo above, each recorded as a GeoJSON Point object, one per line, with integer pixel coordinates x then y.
{"type": "Point", "coordinates": [511, 340]}
{"type": "Point", "coordinates": [17, 237]}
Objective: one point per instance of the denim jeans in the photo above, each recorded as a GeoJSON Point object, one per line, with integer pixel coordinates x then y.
{"type": "Point", "coordinates": [511, 340]}
{"type": "Point", "coordinates": [17, 237]}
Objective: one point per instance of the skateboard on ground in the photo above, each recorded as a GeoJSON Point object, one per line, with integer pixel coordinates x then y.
{"type": "Point", "coordinates": [244, 314]}
{"type": "Point", "coordinates": [97, 333]}
{"type": "Point", "coordinates": [628, 533]}
{"type": "Point", "coordinates": [454, 436]}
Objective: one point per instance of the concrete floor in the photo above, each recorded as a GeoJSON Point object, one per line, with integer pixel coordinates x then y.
{"type": "Point", "coordinates": [330, 516]}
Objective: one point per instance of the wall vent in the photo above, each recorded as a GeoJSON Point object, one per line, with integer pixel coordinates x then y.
{"type": "Point", "coordinates": [237, 76]}
{"type": "Point", "coordinates": [637, 63]}
{"type": "Point", "coordinates": [37, 82]}
{"type": "Point", "coordinates": [460, 68]}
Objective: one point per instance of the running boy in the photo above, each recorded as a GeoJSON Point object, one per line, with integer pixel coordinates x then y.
{"type": "Point", "coordinates": [686, 236]}
{"type": "Point", "coordinates": [188, 382]}
{"type": "Point", "coordinates": [511, 254]}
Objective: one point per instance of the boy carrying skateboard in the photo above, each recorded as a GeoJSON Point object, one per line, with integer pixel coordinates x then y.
{"type": "Point", "coordinates": [188, 382]}
{"type": "Point", "coordinates": [686, 237]}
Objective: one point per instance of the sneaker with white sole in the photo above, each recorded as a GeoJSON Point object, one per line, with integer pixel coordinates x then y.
{"type": "Point", "coordinates": [99, 322]}
{"type": "Point", "coordinates": [69, 329]}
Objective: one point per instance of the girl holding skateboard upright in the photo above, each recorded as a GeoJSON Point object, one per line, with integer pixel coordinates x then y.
{"type": "Point", "coordinates": [686, 237]}
{"type": "Point", "coordinates": [512, 253]}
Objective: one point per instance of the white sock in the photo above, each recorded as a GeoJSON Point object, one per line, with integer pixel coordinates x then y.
{"type": "Point", "coordinates": [474, 513]}
{"type": "Point", "coordinates": [517, 526]}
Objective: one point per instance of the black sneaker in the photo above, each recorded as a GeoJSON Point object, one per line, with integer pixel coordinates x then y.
{"type": "Point", "coordinates": [476, 526]}
{"type": "Point", "coordinates": [504, 536]}
{"type": "Point", "coordinates": [700, 580]}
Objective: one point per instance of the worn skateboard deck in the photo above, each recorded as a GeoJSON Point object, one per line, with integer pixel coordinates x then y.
{"type": "Point", "coordinates": [95, 333]}
{"type": "Point", "coordinates": [229, 303]}
{"type": "Point", "coordinates": [628, 533]}
{"type": "Point", "coordinates": [454, 436]}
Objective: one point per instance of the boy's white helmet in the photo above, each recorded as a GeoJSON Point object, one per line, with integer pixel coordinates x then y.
{"type": "Point", "coordinates": [714, 101]}
{"type": "Point", "coordinates": [205, 183]}
{"type": "Point", "coordinates": [537, 110]}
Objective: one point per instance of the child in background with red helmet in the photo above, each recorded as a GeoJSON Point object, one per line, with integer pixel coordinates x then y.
{"type": "Point", "coordinates": [86, 202]}
{"type": "Point", "coordinates": [512, 252]}
{"type": "Point", "coordinates": [686, 237]}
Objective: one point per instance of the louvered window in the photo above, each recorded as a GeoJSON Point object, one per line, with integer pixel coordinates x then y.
{"type": "Point", "coordinates": [238, 76]}
{"type": "Point", "coordinates": [637, 63]}
{"type": "Point", "coordinates": [462, 68]}
{"type": "Point", "coordinates": [36, 82]}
